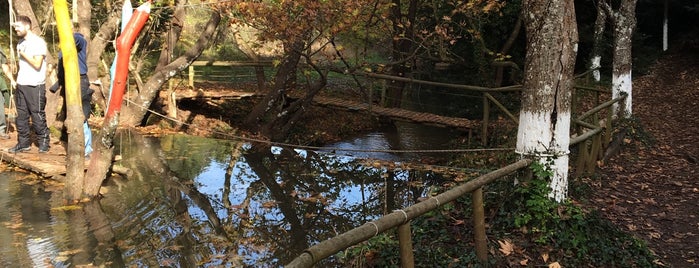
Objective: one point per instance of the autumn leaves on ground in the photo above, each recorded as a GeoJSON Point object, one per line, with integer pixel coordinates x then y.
{"type": "Point", "coordinates": [652, 190]}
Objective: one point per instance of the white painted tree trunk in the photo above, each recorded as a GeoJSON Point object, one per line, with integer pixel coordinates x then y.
{"type": "Point", "coordinates": [596, 57]}
{"type": "Point", "coordinates": [541, 138]}
{"type": "Point", "coordinates": [622, 85]}
{"type": "Point", "coordinates": [624, 25]}
{"type": "Point", "coordinates": [544, 120]}
{"type": "Point", "coordinates": [665, 9]}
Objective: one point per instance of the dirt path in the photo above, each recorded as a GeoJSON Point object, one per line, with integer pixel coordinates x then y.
{"type": "Point", "coordinates": [653, 191]}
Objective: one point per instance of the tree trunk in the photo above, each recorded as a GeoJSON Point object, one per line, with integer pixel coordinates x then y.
{"type": "Point", "coordinates": [75, 165]}
{"type": "Point", "coordinates": [402, 47]}
{"type": "Point", "coordinates": [665, 26]}
{"type": "Point", "coordinates": [168, 52]}
{"type": "Point", "coordinates": [84, 18]}
{"type": "Point", "coordinates": [544, 122]}
{"type": "Point", "coordinates": [624, 26]}
{"type": "Point", "coordinates": [276, 114]}
{"type": "Point", "coordinates": [133, 115]}
{"type": "Point", "coordinates": [596, 57]}
{"type": "Point", "coordinates": [506, 49]}
{"type": "Point", "coordinates": [97, 46]}
{"type": "Point", "coordinates": [101, 161]}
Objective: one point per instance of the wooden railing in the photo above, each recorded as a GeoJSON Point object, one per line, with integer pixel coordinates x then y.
{"type": "Point", "coordinates": [401, 219]}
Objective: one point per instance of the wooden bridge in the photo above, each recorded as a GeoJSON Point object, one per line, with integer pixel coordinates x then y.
{"type": "Point", "coordinates": [393, 113]}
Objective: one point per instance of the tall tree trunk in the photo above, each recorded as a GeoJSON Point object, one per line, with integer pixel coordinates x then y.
{"type": "Point", "coordinates": [665, 24]}
{"type": "Point", "coordinates": [75, 164]}
{"type": "Point", "coordinates": [506, 49]}
{"type": "Point", "coordinates": [624, 26]}
{"type": "Point", "coordinates": [168, 53]}
{"type": "Point", "coordinates": [544, 121]}
{"type": "Point", "coordinates": [276, 114]}
{"type": "Point", "coordinates": [402, 47]}
{"type": "Point", "coordinates": [97, 46]}
{"type": "Point", "coordinates": [100, 162]}
{"type": "Point", "coordinates": [84, 18]}
{"type": "Point", "coordinates": [596, 57]}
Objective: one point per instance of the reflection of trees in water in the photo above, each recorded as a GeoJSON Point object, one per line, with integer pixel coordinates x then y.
{"type": "Point", "coordinates": [37, 232]}
{"type": "Point", "coordinates": [292, 199]}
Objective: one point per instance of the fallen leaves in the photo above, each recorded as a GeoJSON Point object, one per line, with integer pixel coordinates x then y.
{"type": "Point", "coordinates": [506, 247]}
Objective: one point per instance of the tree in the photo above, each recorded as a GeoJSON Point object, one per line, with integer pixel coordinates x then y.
{"type": "Point", "coordinates": [75, 163]}
{"type": "Point", "coordinates": [596, 57]}
{"type": "Point", "coordinates": [304, 28]}
{"type": "Point", "coordinates": [544, 120]}
{"type": "Point", "coordinates": [100, 162]}
{"type": "Point", "coordinates": [624, 21]}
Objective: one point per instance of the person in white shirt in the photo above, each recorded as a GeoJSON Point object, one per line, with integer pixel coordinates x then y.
{"type": "Point", "coordinates": [30, 94]}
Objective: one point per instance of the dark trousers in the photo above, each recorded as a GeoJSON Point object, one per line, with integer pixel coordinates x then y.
{"type": "Point", "coordinates": [31, 101]}
{"type": "Point", "coordinates": [86, 94]}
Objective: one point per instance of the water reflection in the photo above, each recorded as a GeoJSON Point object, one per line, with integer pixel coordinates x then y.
{"type": "Point", "coordinates": [195, 202]}
{"type": "Point", "coordinates": [399, 136]}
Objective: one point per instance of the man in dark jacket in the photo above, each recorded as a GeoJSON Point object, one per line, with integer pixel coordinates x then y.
{"type": "Point", "coordinates": [85, 90]}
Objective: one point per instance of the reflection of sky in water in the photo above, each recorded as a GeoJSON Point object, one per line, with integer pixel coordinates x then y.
{"type": "Point", "coordinates": [211, 182]}
{"type": "Point", "coordinates": [371, 141]}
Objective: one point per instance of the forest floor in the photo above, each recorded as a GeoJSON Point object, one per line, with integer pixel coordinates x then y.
{"type": "Point", "coordinates": [651, 187]}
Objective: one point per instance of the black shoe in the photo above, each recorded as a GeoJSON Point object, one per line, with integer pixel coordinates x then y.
{"type": "Point", "coordinates": [18, 149]}
{"type": "Point", "coordinates": [44, 148]}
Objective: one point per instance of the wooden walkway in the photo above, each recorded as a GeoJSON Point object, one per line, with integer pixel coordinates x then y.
{"type": "Point", "coordinates": [398, 114]}
{"type": "Point", "coordinates": [50, 164]}
{"type": "Point", "coordinates": [394, 113]}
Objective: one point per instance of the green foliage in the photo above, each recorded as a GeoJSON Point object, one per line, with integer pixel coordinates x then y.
{"type": "Point", "coordinates": [576, 237]}
{"type": "Point", "coordinates": [376, 251]}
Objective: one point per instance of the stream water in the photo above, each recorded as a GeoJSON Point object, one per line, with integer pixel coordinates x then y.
{"type": "Point", "coordinates": [194, 202]}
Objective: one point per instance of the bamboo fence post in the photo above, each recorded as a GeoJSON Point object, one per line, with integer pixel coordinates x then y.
{"type": "Point", "coordinates": [405, 242]}
{"type": "Point", "coordinates": [480, 239]}
{"type": "Point", "coordinates": [594, 153]}
{"type": "Point", "coordinates": [583, 156]}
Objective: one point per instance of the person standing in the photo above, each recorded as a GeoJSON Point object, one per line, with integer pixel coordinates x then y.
{"type": "Point", "coordinates": [30, 94]}
{"type": "Point", "coordinates": [85, 90]}
{"type": "Point", "coordinates": [4, 89]}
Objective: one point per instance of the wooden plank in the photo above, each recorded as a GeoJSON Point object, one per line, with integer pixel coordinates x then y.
{"type": "Point", "coordinates": [50, 164]}
{"type": "Point", "coordinates": [232, 63]}
{"type": "Point", "coordinates": [201, 94]}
